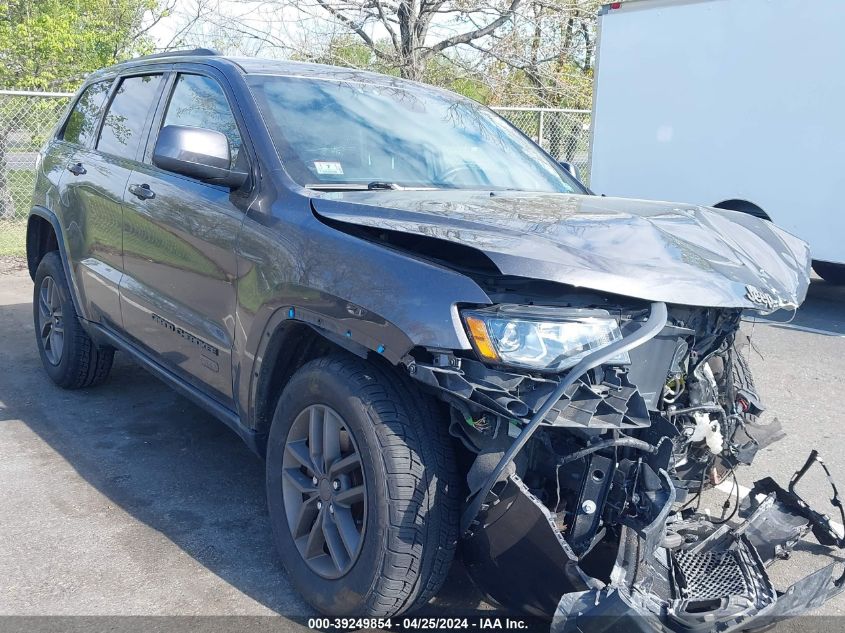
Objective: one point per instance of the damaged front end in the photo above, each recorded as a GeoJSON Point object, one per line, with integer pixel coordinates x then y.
{"type": "Point", "coordinates": [685, 571]}
{"type": "Point", "coordinates": [580, 482]}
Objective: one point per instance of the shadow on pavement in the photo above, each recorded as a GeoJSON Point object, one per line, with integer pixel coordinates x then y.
{"type": "Point", "coordinates": [168, 464]}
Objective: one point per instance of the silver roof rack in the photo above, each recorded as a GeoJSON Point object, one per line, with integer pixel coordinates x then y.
{"type": "Point", "coordinates": [190, 52]}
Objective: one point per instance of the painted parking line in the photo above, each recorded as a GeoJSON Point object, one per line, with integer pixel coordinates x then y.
{"type": "Point", "coordinates": [803, 328]}
{"type": "Point", "coordinates": [729, 487]}
{"type": "Point", "coordinates": [794, 326]}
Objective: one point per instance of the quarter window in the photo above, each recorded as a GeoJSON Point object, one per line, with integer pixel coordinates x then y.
{"type": "Point", "coordinates": [82, 122]}
{"type": "Point", "coordinates": [127, 114]}
{"type": "Point", "coordinates": [199, 101]}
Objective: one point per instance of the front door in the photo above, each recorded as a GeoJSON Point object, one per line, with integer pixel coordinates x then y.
{"type": "Point", "coordinates": [178, 291]}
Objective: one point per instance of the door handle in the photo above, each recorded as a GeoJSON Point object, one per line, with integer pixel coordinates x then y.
{"type": "Point", "coordinates": [143, 192]}
{"type": "Point", "coordinates": [77, 169]}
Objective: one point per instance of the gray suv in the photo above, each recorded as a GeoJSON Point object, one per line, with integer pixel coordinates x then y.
{"type": "Point", "coordinates": [433, 334]}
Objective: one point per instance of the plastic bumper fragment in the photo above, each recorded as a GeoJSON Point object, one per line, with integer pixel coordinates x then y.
{"type": "Point", "coordinates": [518, 557]}
{"type": "Point", "coordinates": [706, 578]}
{"type": "Point", "coordinates": [719, 583]}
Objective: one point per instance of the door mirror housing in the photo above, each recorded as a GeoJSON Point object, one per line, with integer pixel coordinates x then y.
{"type": "Point", "coordinates": [198, 153]}
{"type": "Point", "coordinates": [572, 169]}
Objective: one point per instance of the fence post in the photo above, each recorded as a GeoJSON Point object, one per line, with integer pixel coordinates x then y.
{"type": "Point", "coordinates": [540, 130]}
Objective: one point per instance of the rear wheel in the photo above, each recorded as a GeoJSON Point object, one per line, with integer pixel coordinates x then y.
{"type": "Point", "coordinates": [361, 489]}
{"type": "Point", "coordinates": [68, 354]}
{"type": "Point", "coordinates": [832, 273]}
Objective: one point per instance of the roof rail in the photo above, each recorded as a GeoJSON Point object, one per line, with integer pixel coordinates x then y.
{"type": "Point", "coordinates": [182, 53]}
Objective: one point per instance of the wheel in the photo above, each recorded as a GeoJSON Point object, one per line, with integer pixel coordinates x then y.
{"type": "Point", "coordinates": [361, 489]}
{"type": "Point", "coordinates": [831, 273]}
{"type": "Point", "coordinates": [68, 354]}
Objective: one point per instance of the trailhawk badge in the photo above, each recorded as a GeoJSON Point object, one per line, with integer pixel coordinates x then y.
{"type": "Point", "coordinates": [764, 299]}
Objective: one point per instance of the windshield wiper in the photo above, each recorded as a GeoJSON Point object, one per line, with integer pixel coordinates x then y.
{"type": "Point", "coordinates": [336, 186]}
{"type": "Point", "coordinates": [380, 184]}
{"type": "Point", "coordinates": [376, 185]}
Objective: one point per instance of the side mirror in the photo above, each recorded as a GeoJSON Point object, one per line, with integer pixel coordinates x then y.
{"type": "Point", "coordinates": [572, 169]}
{"type": "Point", "coordinates": [197, 152]}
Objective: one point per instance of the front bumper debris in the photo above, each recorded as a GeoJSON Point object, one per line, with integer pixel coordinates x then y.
{"type": "Point", "coordinates": [679, 571]}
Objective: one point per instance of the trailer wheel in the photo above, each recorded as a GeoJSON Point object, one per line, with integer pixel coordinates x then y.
{"type": "Point", "coordinates": [831, 273]}
{"type": "Point", "coordinates": [743, 206]}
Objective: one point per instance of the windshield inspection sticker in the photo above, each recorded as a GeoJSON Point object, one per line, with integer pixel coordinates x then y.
{"type": "Point", "coordinates": [328, 168]}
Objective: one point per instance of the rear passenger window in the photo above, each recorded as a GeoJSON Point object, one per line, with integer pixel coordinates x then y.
{"type": "Point", "coordinates": [127, 114]}
{"type": "Point", "coordinates": [199, 101]}
{"type": "Point", "coordinates": [83, 119]}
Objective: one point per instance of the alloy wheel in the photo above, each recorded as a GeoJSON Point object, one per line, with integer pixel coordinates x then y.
{"type": "Point", "coordinates": [51, 327]}
{"type": "Point", "coordinates": [324, 491]}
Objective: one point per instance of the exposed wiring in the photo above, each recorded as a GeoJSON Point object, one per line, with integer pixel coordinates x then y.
{"type": "Point", "coordinates": [628, 442]}
{"type": "Point", "coordinates": [728, 501]}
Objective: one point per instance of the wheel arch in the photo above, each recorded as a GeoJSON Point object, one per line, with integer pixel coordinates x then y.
{"type": "Point", "coordinates": [743, 206]}
{"type": "Point", "coordinates": [44, 234]}
{"type": "Point", "coordinates": [293, 337]}
{"type": "Point", "coordinates": [41, 238]}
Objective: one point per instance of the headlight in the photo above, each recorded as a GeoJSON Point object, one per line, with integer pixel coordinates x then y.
{"type": "Point", "coordinates": [544, 339]}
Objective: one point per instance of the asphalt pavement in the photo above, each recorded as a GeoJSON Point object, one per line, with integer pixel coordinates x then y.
{"type": "Point", "coordinates": [127, 499]}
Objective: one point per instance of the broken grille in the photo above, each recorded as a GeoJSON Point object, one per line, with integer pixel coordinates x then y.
{"type": "Point", "coordinates": [712, 575]}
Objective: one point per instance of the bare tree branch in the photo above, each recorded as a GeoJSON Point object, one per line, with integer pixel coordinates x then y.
{"type": "Point", "coordinates": [466, 38]}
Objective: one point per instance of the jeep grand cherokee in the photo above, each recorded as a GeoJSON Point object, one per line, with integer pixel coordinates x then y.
{"type": "Point", "coordinates": [433, 334]}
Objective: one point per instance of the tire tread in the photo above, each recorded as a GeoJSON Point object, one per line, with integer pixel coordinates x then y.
{"type": "Point", "coordinates": [88, 365]}
{"type": "Point", "coordinates": [423, 488]}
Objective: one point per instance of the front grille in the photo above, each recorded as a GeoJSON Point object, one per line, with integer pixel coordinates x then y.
{"type": "Point", "coordinates": [712, 575]}
{"type": "Point", "coordinates": [727, 577]}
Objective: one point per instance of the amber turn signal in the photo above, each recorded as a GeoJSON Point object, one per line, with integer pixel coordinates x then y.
{"type": "Point", "coordinates": [481, 340]}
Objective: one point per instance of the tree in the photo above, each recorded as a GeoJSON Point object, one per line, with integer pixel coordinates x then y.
{"type": "Point", "coordinates": [52, 45]}
{"type": "Point", "coordinates": [546, 56]}
{"type": "Point", "coordinates": [402, 35]}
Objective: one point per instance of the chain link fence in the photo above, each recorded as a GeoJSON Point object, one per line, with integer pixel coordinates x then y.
{"type": "Point", "coordinates": [27, 118]}
{"type": "Point", "coordinates": [563, 133]}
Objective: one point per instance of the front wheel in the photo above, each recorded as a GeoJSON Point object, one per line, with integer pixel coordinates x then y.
{"type": "Point", "coordinates": [361, 489]}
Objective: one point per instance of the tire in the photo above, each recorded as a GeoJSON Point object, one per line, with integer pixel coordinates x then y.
{"type": "Point", "coordinates": [411, 492]}
{"type": "Point", "coordinates": [72, 361]}
{"type": "Point", "coordinates": [831, 273]}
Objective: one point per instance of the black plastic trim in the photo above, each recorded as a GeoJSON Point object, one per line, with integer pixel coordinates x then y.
{"type": "Point", "coordinates": [51, 217]}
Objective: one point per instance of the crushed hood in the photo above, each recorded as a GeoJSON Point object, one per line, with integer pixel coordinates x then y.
{"type": "Point", "coordinates": [657, 251]}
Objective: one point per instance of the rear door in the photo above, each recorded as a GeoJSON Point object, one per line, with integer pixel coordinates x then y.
{"type": "Point", "coordinates": [178, 293]}
{"type": "Point", "coordinates": [93, 189]}
{"type": "Point", "coordinates": [89, 208]}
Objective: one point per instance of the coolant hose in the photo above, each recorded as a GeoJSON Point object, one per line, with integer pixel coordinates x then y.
{"type": "Point", "coordinates": [648, 330]}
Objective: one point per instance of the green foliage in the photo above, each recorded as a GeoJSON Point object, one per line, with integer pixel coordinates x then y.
{"type": "Point", "coordinates": [350, 52]}
{"type": "Point", "coordinates": [442, 71]}
{"type": "Point", "coordinates": [53, 44]}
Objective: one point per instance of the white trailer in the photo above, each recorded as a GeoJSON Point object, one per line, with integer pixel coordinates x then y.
{"type": "Point", "coordinates": [738, 104]}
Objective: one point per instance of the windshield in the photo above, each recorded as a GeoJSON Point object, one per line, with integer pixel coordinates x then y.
{"type": "Point", "coordinates": [332, 133]}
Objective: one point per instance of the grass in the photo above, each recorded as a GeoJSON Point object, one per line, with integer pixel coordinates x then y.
{"type": "Point", "coordinates": [13, 230]}
{"type": "Point", "coordinates": [12, 238]}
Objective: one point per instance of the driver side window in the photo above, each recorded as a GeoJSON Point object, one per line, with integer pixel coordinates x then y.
{"type": "Point", "coordinates": [199, 101]}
